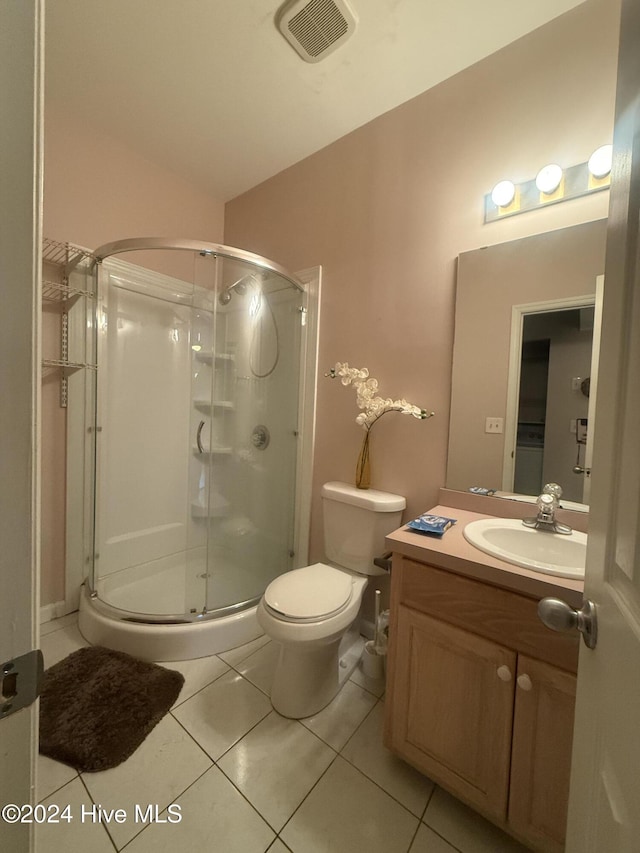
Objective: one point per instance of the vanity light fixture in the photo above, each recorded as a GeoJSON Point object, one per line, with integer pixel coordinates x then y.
{"type": "Point", "coordinates": [503, 193]}
{"type": "Point", "coordinates": [552, 184]}
{"type": "Point", "coordinates": [549, 178]}
{"type": "Point", "coordinates": [600, 161]}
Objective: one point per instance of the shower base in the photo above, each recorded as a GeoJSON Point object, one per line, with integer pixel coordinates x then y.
{"type": "Point", "coordinates": [182, 583]}
{"type": "Point", "coordinates": [160, 588]}
{"type": "Point", "coordinates": [103, 625]}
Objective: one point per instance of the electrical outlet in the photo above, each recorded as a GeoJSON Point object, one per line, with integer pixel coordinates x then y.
{"type": "Point", "coordinates": [494, 425]}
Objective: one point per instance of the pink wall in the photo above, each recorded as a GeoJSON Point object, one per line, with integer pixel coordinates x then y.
{"type": "Point", "coordinates": [97, 190]}
{"type": "Point", "coordinates": [387, 209]}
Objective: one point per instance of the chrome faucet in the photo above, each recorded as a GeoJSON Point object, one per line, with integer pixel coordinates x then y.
{"type": "Point", "coordinates": [548, 502]}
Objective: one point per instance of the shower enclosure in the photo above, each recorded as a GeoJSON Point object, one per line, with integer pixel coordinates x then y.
{"type": "Point", "coordinates": [200, 453]}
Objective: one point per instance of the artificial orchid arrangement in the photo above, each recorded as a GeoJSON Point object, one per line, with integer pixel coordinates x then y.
{"type": "Point", "coordinates": [373, 408]}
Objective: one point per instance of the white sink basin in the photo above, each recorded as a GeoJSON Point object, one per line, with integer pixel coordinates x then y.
{"type": "Point", "coordinates": [509, 540]}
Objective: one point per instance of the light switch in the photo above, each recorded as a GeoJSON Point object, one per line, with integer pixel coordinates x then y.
{"type": "Point", "coordinates": [494, 425]}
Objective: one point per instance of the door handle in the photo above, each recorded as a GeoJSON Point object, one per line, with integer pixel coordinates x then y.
{"type": "Point", "coordinates": [559, 616]}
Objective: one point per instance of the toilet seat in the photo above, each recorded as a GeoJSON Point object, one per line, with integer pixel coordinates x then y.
{"type": "Point", "coordinates": [309, 594]}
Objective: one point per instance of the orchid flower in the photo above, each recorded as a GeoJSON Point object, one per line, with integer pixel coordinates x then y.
{"type": "Point", "coordinates": [373, 406]}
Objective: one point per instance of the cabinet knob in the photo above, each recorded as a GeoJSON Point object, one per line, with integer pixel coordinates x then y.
{"type": "Point", "coordinates": [524, 682]}
{"type": "Point", "coordinates": [504, 673]}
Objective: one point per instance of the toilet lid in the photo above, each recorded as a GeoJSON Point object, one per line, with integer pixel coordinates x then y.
{"type": "Point", "coordinates": [309, 593]}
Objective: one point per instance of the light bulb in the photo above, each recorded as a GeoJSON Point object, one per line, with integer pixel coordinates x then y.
{"type": "Point", "coordinates": [600, 161]}
{"type": "Point", "coordinates": [548, 178]}
{"type": "Point", "coordinates": [503, 193]}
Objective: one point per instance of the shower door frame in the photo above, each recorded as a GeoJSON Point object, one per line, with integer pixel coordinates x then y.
{"type": "Point", "coordinates": [78, 543]}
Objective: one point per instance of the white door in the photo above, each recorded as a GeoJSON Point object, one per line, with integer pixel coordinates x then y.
{"type": "Point", "coordinates": [21, 53]}
{"type": "Point", "coordinates": [604, 810]}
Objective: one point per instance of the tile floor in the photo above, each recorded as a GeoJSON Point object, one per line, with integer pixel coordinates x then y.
{"type": "Point", "coordinates": [248, 780]}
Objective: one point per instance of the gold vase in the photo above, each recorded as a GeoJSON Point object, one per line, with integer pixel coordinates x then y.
{"type": "Point", "coordinates": [363, 467]}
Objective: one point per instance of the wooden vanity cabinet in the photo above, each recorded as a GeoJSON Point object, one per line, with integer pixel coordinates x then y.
{"type": "Point", "coordinates": [541, 752]}
{"type": "Point", "coordinates": [480, 698]}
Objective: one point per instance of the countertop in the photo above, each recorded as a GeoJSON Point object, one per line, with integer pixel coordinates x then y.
{"type": "Point", "coordinates": [452, 552]}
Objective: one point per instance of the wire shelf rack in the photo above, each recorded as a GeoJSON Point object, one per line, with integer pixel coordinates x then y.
{"type": "Point", "coordinates": [62, 254]}
{"type": "Point", "coordinates": [67, 365]}
{"type": "Point", "coordinates": [54, 291]}
{"type": "Point", "coordinates": [65, 258]}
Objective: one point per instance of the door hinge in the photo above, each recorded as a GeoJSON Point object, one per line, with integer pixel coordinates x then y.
{"type": "Point", "coordinates": [21, 682]}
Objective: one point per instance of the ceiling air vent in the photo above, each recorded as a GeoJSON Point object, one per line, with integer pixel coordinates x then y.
{"type": "Point", "coordinates": [315, 28]}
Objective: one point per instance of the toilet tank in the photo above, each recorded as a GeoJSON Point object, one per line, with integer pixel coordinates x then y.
{"type": "Point", "coordinates": [356, 522]}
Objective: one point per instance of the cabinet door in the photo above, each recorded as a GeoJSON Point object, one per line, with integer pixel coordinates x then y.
{"type": "Point", "coordinates": [541, 755]}
{"type": "Point", "coordinates": [452, 708]}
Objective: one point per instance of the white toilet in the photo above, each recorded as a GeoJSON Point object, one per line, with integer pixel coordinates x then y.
{"type": "Point", "coordinates": [309, 611]}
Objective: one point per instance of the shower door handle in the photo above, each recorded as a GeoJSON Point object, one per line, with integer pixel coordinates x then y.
{"type": "Point", "coordinates": [198, 437]}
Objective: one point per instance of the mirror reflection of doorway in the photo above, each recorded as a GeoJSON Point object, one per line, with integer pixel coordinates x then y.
{"type": "Point", "coordinates": [555, 361]}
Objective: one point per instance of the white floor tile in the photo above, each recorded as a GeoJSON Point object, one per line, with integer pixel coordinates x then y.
{"type": "Point", "coordinates": [276, 765]}
{"type": "Point", "coordinates": [214, 817]}
{"type": "Point", "coordinates": [58, 644]}
{"type": "Point", "coordinates": [237, 655]}
{"type": "Point", "coordinates": [365, 801]}
{"type": "Point", "coordinates": [51, 775]}
{"type": "Point", "coordinates": [426, 841]}
{"type": "Point", "coordinates": [338, 721]}
{"type": "Point", "coordinates": [197, 674]}
{"type": "Point", "coordinates": [76, 835]}
{"type": "Point", "coordinates": [346, 813]}
{"type": "Point", "coordinates": [223, 712]}
{"type": "Point", "coordinates": [157, 773]}
{"type": "Point", "coordinates": [260, 667]}
{"type": "Point", "coordinates": [366, 751]}
{"type": "Point", "coordinates": [465, 829]}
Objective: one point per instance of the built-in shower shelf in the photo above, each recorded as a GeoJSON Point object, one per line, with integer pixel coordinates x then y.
{"type": "Point", "coordinates": [215, 451]}
{"type": "Point", "coordinates": [217, 509]}
{"type": "Point", "coordinates": [210, 405]}
{"type": "Point", "coordinates": [209, 357]}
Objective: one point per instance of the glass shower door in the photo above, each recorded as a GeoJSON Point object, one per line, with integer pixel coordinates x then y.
{"type": "Point", "coordinates": [253, 423]}
{"type": "Point", "coordinates": [145, 322]}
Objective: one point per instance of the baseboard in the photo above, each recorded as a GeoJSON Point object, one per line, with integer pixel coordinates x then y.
{"type": "Point", "coordinates": [55, 610]}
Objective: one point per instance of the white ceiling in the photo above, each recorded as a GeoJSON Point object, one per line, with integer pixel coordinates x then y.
{"type": "Point", "coordinates": [210, 88]}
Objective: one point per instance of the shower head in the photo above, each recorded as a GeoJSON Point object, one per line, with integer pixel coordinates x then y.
{"type": "Point", "coordinates": [240, 286]}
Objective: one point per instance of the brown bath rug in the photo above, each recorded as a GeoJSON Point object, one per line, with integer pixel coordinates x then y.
{"type": "Point", "coordinates": [97, 706]}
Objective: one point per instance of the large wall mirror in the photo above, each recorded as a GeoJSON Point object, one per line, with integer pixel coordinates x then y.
{"type": "Point", "coordinates": [526, 330]}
